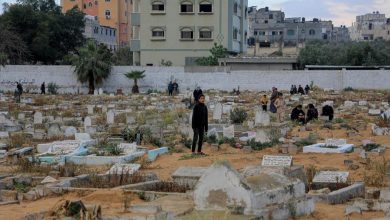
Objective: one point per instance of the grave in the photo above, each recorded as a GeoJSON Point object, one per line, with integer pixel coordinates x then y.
{"type": "Point", "coordinates": [110, 117]}
{"type": "Point", "coordinates": [123, 169]}
{"type": "Point", "coordinates": [262, 118]}
{"type": "Point", "coordinates": [228, 132]}
{"type": "Point", "coordinates": [276, 161]}
{"type": "Point", "coordinates": [217, 113]}
{"type": "Point", "coordinates": [153, 154]}
{"type": "Point", "coordinates": [330, 177]}
{"type": "Point", "coordinates": [188, 176]}
{"type": "Point", "coordinates": [374, 112]}
{"type": "Point", "coordinates": [331, 146]}
{"type": "Point", "coordinates": [38, 118]}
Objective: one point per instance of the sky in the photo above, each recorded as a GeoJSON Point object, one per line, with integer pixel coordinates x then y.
{"type": "Point", "coordinates": [341, 12]}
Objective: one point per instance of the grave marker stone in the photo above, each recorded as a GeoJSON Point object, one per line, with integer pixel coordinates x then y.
{"type": "Point", "coordinates": [228, 132]}
{"type": "Point", "coordinates": [110, 117]}
{"type": "Point", "coordinates": [95, 92]}
{"type": "Point", "coordinates": [217, 114]}
{"type": "Point", "coordinates": [331, 177]}
{"type": "Point", "coordinates": [262, 118]}
{"type": "Point", "coordinates": [38, 118]}
{"type": "Point", "coordinates": [276, 161]}
{"type": "Point", "coordinates": [100, 91]}
{"type": "Point", "coordinates": [90, 109]}
{"type": "Point", "coordinates": [87, 122]}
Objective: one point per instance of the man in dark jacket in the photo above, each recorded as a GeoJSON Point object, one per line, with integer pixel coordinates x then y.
{"type": "Point", "coordinates": [197, 93]}
{"type": "Point", "coordinates": [199, 124]}
{"type": "Point", "coordinates": [43, 88]}
{"type": "Point", "coordinates": [298, 114]}
{"type": "Point", "coordinates": [300, 90]}
{"type": "Point", "coordinates": [327, 110]}
{"type": "Point", "coordinates": [312, 113]}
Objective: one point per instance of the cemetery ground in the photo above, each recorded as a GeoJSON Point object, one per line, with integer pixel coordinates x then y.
{"type": "Point", "coordinates": [62, 148]}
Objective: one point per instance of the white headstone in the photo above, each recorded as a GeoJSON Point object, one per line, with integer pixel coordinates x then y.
{"type": "Point", "coordinates": [54, 131]}
{"type": "Point", "coordinates": [38, 118]}
{"type": "Point", "coordinates": [349, 104]}
{"type": "Point", "coordinates": [100, 91]}
{"type": "Point", "coordinates": [262, 118]}
{"type": "Point", "coordinates": [130, 119]}
{"type": "Point", "coordinates": [104, 109]}
{"type": "Point", "coordinates": [110, 117]}
{"type": "Point", "coordinates": [82, 137]}
{"type": "Point", "coordinates": [387, 114]}
{"type": "Point", "coordinates": [90, 109]}
{"type": "Point", "coordinates": [276, 161]}
{"type": "Point", "coordinates": [362, 103]}
{"type": "Point", "coordinates": [21, 116]}
{"type": "Point", "coordinates": [217, 114]}
{"type": "Point", "coordinates": [70, 131]}
{"type": "Point", "coordinates": [331, 177]}
{"type": "Point", "coordinates": [262, 136]}
{"type": "Point", "coordinates": [226, 109]}
{"type": "Point", "coordinates": [124, 168]}
{"type": "Point", "coordinates": [95, 92]}
{"type": "Point", "coordinates": [374, 112]}
{"type": "Point", "coordinates": [87, 122]}
{"type": "Point", "coordinates": [228, 132]}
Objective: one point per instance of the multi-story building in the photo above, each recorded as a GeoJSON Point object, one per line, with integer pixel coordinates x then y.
{"type": "Point", "coordinates": [370, 26]}
{"type": "Point", "coordinates": [110, 13]}
{"type": "Point", "coordinates": [184, 30]}
{"type": "Point", "coordinates": [101, 34]}
{"type": "Point", "coordinates": [270, 27]}
{"type": "Point", "coordinates": [340, 34]}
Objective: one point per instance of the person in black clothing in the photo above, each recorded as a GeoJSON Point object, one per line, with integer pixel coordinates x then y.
{"type": "Point", "coordinates": [199, 124]}
{"type": "Point", "coordinates": [328, 111]}
{"type": "Point", "coordinates": [312, 113]}
{"type": "Point", "coordinates": [307, 89]}
{"type": "Point", "coordinates": [43, 88]}
{"type": "Point", "coordinates": [292, 90]}
{"type": "Point", "coordinates": [175, 88]}
{"type": "Point", "coordinates": [297, 114]}
{"type": "Point", "coordinates": [197, 93]}
{"type": "Point", "coordinates": [300, 90]}
{"type": "Point", "coordinates": [295, 90]}
{"type": "Point", "coordinates": [170, 88]}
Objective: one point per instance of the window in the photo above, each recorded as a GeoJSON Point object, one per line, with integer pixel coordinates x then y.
{"type": "Point", "coordinates": [108, 0]}
{"type": "Point", "coordinates": [85, 6]}
{"type": "Point", "coordinates": [255, 33]}
{"type": "Point", "coordinates": [205, 7]}
{"type": "Point", "coordinates": [280, 32]}
{"type": "Point", "coordinates": [235, 34]}
{"type": "Point", "coordinates": [290, 32]}
{"type": "Point", "coordinates": [312, 32]}
{"type": "Point", "coordinates": [158, 6]}
{"type": "Point", "coordinates": [158, 33]}
{"type": "Point", "coordinates": [370, 26]}
{"type": "Point", "coordinates": [106, 32]}
{"type": "Point", "coordinates": [90, 4]}
{"type": "Point", "coordinates": [205, 33]}
{"type": "Point", "coordinates": [235, 8]}
{"type": "Point", "coordinates": [108, 14]}
{"type": "Point", "coordinates": [262, 33]}
{"type": "Point", "coordinates": [186, 7]}
{"type": "Point", "coordinates": [186, 34]}
{"type": "Point", "coordinates": [110, 32]}
{"type": "Point", "coordinates": [114, 33]}
{"type": "Point", "coordinates": [274, 33]}
{"type": "Point", "coordinates": [265, 21]}
{"type": "Point", "coordinates": [388, 32]}
{"type": "Point", "coordinates": [271, 16]}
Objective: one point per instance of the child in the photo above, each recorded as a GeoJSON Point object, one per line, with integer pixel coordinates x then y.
{"type": "Point", "coordinates": [264, 102]}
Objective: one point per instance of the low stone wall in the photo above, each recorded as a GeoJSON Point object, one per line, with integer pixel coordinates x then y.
{"type": "Point", "coordinates": [213, 78]}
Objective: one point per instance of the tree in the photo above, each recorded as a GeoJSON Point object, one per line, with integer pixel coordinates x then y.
{"type": "Point", "coordinates": [3, 59]}
{"type": "Point", "coordinates": [135, 75]}
{"type": "Point", "coordinates": [218, 51]}
{"type": "Point", "coordinates": [92, 64]}
{"type": "Point", "coordinates": [123, 57]}
{"type": "Point", "coordinates": [12, 46]}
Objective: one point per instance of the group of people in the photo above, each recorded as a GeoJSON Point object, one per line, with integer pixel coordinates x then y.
{"type": "Point", "coordinates": [173, 88]}
{"type": "Point", "coordinates": [19, 91]}
{"type": "Point", "coordinates": [298, 115]}
{"type": "Point", "coordinates": [299, 90]}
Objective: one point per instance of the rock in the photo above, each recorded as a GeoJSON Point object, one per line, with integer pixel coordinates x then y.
{"type": "Point", "coordinates": [363, 154]}
{"type": "Point", "coordinates": [353, 167]}
{"type": "Point", "coordinates": [352, 209]}
{"type": "Point", "coordinates": [49, 179]}
{"type": "Point", "coordinates": [70, 131]}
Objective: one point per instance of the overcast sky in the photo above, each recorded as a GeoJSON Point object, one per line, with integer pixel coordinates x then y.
{"type": "Point", "coordinates": [341, 12]}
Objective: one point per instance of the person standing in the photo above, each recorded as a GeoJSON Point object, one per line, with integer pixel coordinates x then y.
{"type": "Point", "coordinates": [264, 102]}
{"type": "Point", "coordinates": [273, 98]}
{"type": "Point", "coordinates": [170, 88]}
{"type": "Point", "coordinates": [199, 124]}
{"type": "Point", "coordinates": [197, 93]}
{"type": "Point", "coordinates": [307, 89]}
{"type": "Point", "coordinates": [175, 88]}
{"type": "Point", "coordinates": [280, 107]}
{"type": "Point", "coordinates": [18, 92]}
{"type": "Point", "coordinates": [43, 88]}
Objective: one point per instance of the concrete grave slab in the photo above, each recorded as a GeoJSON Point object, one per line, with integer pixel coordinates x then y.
{"type": "Point", "coordinates": [153, 154]}
{"type": "Point", "coordinates": [276, 161]}
{"type": "Point", "coordinates": [330, 177]}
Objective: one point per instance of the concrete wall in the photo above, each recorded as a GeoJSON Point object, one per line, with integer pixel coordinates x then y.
{"type": "Point", "coordinates": [217, 78]}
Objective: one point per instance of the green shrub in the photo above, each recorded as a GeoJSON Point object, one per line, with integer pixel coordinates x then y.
{"type": "Point", "coordinates": [257, 146]}
{"type": "Point", "coordinates": [238, 116]}
{"type": "Point", "coordinates": [113, 149]}
{"type": "Point", "coordinates": [52, 88]}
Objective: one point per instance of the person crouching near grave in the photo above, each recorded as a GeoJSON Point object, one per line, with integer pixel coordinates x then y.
{"type": "Point", "coordinates": [199, 124]}
{"type": "Point", "coordinates": [298, 115]}
{"type": "Point", "coordinates": [312, 113]}
{"type": "Point", "coordinates": [327, 110]}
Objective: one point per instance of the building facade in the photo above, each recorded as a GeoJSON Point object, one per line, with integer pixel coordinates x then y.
{"type": "Point", "coordinates": [370, 26]}
{"type": "Point", "coordinates": [181, 31]}
{"type": "Point", "coordinates": [271, 27]}
{"type": "Point", "coordinates": [109, 13]}
{"type": "Point", "coordinates": [101, 34]}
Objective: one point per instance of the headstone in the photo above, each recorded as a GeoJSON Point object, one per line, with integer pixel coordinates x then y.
{"type": "Point", "coordinates": [95, 92]}
{"type": "Point", "coordinates": [110, 117]}
{"type": "Point", "coordinates": [330, 103]}
{"type": "Point", "coordinates": [362, 103]}
{"type": "Point", "coordinates": [262, 136]}
{"type": "Point", "coordinates": [276, 161]}
{"type": "Point", "coordinates": [124, 169]}
{"type": "Point", "coordinates": [226, 109]}
{"type": "Point", "coordinates": [386, 114]}
{"type": "Point", "coordinates": [331, 177]}
{"type": "Point", "coordinates": [70, 131]}
{"type": "Point", "coordinates": [130, 119]}
{"type": "Point", "coordinates": [104, 109]}
{"type": "Point", "coordinates": [82, 137]}
{"type": "Point", "coordinates": [335, 142]}
{"type": "Point", "coordinates": [100, 91]}
{"type": "Point", "coordinates": [54, 131]}
{"type": "Point", "coordinates": [217, 114]}
{"type": "Point", "coordinates": [374, 112]}
{"type": "Point", "coordinates": [262, 118]}
{"type": "Point", "coordinates": [90, 109]}
{"type": "Point", "coordinates": [87, 122]}
{"type": "Point", "coordinates": [38, 118]}
{"type": "Point", "coordinates": [349, 104]}
{"type": "Point", "coordinates": [228, 132]}
{"type": "Point", "coordinates": [21, 116]}
{"type": "Point", "coordinates": [4, 134]}
{"type": "Point", "coordinates": [49, 179]}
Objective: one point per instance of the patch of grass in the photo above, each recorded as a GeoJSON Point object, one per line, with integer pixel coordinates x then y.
{"type": "Point", "coordinates": [113, 150]}
{"type": "Point", "coordinates": [372, 146]}
{"type": "Point", "coordinates": [22, 187]}
{"type": "Point", "coordinates": [257, 146]}
{"type": "Point", "coordinates": [190, 156]}
{"type": "Point", "coordinates": [339, 120]}
{"type": "Point", "coordinates": [375, 172]}
{"type": "Point", "coordinates": [26, 166]}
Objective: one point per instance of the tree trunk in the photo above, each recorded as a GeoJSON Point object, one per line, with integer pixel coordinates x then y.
{"type": "Point", "coordinates": [135, 87]}
{"type": "Point", "coordinates": [91, 86]}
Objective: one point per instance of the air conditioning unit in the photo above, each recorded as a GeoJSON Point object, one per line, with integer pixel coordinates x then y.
{"type": "Point", "coordinates": [108, 17]}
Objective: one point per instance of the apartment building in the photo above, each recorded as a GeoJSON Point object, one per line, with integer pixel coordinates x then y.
{"type": "Point", "coordinates": [181, 31]}
{"type": "Point", "coordinates": [370, 26]}
{"type": "Point", "coordinates": [110, 13]}
{"type": "Point", "coordinates": [271, 27]}
{"type": "Point", "coordinates": [101, 34]}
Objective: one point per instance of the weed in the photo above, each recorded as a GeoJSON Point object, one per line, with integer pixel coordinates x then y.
{"type": "Point", "coordinates": [26, 166]}
{"type": "Point", "coordinates": [52, 88]}
{"type": "Point", "coordinates": [238, 115]}
{"type": "Point", "coordinates": [190, 156]}
{"type": "Point", "coordinates": [370, 147]}
{"type": "Point", "coordinates": [21, 187]}
{"type": "Point", "coordinates": [110, 180]}
{"type": "Point", "coordinates": [375, 172]}
{"type": "Point", "coordinates": [113, 150]}
{"type": "Point", "coordinates": [310, 173]}
{"type": "Point", "coordinates": [257, 146]}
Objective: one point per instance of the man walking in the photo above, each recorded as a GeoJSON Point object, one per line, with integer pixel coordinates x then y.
{"type": "Point", "coordinates": [43, 88]}
{"type": "Point", "coordinates": [199, 124]}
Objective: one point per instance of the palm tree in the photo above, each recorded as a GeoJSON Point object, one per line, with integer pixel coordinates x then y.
{"type": "Point", "coordinates": [92, 64]}
{"type": "Point", "coordinates": [135, 75]}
